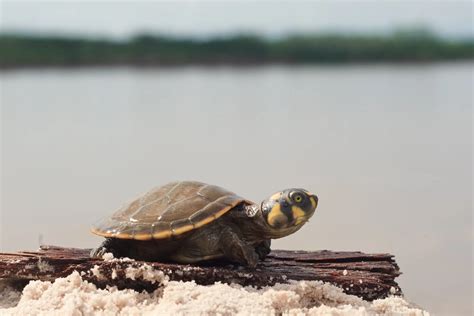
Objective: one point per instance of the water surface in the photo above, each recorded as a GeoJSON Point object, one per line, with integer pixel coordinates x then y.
{"type": "Point", "coordinates": [387, 149]}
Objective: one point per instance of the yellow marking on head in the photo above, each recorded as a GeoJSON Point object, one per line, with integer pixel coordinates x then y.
{"type": "Point", "coordinates": [181, 230]}
{"type": "Point", "coordinates": [313, 202]}
{"type": "Point", "coordinates": [276, 216]}
{"type": "Point", "coordinates": [298, 214]}
{"type": "Point", "coordinates": [275, 196]}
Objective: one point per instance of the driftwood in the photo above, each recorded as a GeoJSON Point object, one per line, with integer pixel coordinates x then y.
{"type": "Point", "coordinates": [369, 276]}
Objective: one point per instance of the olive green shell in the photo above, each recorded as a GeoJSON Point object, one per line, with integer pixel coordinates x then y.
{"type": "Point", "coordinates": [169, 210]}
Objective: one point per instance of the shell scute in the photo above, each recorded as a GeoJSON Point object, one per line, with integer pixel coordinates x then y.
{"type": "Point", "coordinates": [169, 210]}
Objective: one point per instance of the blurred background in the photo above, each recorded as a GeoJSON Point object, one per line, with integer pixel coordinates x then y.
{"type": "Point", "coordinates": [366, 103]}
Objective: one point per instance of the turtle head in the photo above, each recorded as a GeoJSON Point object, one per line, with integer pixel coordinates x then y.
{"type": "Point", "coordinates": [286, 211]}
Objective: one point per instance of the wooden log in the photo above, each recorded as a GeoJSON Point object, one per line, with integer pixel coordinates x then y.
{"type": "Point", "coordinates": [369, 276]}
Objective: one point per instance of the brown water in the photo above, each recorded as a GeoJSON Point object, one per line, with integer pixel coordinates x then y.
{"type": "Point", "coordinates": [387, 148]}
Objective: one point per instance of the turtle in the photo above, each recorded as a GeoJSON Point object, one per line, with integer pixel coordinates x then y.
{"type": "Point", "coordinates": [189, 221]}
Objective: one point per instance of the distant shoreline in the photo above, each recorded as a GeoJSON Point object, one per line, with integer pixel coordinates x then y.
{"type": "Point", "coordinates": [23, 50]}
{"type": "Point", "coordinates": [229, 66]}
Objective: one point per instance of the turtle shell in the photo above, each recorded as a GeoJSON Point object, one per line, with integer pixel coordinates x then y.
{"type": "Point", "coordinates": [169, 210]}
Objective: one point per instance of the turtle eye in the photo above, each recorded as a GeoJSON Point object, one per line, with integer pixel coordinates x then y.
{"type": "Point", "coordinates": [297, 197]}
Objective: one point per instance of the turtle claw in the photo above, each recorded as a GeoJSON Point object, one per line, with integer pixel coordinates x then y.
{"type": "Point", "coordinates": [237, 250]}
{"type": "Point", "coordinates": [106, 246]}
{"type": "Point", "coordinates": [251, 258]}
{"type": "Point", "coordinates": [98, 252]}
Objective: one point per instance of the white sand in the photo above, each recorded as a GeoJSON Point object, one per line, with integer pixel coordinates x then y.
{"type": "Point", "coordinates": [74, 296]}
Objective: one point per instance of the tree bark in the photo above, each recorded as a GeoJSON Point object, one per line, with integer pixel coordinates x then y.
{"type": "Point", "coordinates": [369, 276]}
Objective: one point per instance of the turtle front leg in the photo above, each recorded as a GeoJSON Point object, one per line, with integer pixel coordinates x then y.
{"type": "Point", "coordinates": [263, 249]}
{"type": "Point", "coordinates": [236, 249]}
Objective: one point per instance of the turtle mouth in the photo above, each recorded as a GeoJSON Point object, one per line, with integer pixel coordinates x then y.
{"type": "Point", "coordinates": [299, 221]}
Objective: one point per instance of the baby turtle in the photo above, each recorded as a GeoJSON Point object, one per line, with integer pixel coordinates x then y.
{"type": "Point", "coordinates": [189, 221]}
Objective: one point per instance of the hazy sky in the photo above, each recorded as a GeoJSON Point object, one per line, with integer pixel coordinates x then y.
{"type": "Point", "coordinates": [122, 18]}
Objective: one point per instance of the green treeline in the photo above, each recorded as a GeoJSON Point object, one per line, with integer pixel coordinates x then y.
{"type": "Point", "coordinates": [24, 50]}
